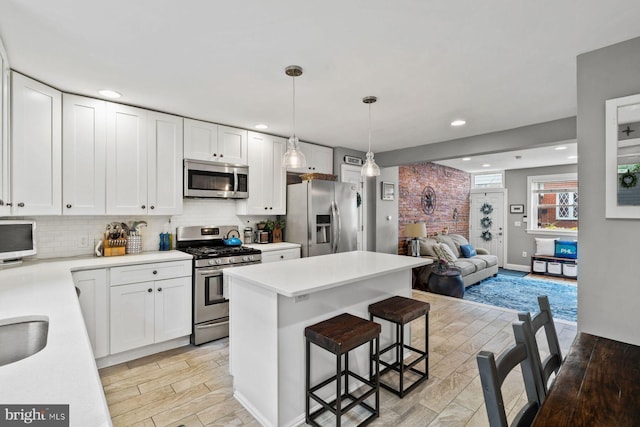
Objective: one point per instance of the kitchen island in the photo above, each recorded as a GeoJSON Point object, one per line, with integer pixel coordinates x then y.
{"type": "Point", "coordinates": [271, 304]}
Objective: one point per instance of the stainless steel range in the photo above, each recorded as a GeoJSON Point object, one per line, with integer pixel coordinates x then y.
{"type": "Point", "coordinates": [210, 257]}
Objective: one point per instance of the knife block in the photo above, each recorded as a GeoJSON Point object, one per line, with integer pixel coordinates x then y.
{"type": "Point", "coordinates": [111, 248]}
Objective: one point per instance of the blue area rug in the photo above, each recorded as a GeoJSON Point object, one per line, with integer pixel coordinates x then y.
{"type": "Point", "coordinates": [519, 293]}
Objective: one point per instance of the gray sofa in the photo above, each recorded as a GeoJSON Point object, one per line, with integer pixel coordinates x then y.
{"type": "Point", "coordinates": [474, 269]}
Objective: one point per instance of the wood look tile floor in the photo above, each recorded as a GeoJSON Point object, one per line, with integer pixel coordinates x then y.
{"type": "Point", "coordinates": [191, 386]}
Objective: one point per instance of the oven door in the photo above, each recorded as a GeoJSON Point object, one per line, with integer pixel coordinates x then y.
{"type": "Point", "coordinates": [209, 302]}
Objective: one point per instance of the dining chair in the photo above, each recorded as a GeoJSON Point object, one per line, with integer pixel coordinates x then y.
{"type": "Point", "coordinates": [494, 371]}
{"type": "Point", "coordinates": [551, 364]}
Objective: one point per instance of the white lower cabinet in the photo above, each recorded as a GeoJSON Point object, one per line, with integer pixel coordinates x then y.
{"type": "Point", "coordinates": [149, 311]}
{"type": "Point", "coordinates": [94, 303]}
{"type": "Point", "coordinates": [281, 255]}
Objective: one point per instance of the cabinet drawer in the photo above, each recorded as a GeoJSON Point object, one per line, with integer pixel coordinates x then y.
{"type": "Point", "coordinates": [282, 255]}
{"type": "Point", "coordinates": [146, 272]}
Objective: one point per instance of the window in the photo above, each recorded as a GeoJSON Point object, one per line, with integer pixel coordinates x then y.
{"type": "Point", "coordinates": [488, 180]}
{"type": "Point", "coordinates": [554, 203]}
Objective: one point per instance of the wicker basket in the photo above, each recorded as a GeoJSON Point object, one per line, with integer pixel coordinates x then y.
{"type": "Point", "coordinates": [322, 176]}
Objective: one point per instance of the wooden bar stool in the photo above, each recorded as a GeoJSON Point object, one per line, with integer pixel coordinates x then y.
{"type": "Point", "coordinates": [339, 335]}
{"type": "Point", "coordinates": [400, 311]}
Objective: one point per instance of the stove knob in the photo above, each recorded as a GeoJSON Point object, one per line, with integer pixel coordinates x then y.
{"type": "Point", "coordinates": [218, 261]}
{"type": "Point", "coordinates": [250, 257]}
{"type": "Point", "coordinates": [231, 260]}
{"type": "Point", "coordinates": [245, 258]}
{"type": "Point", "coordinates": [211, 262]}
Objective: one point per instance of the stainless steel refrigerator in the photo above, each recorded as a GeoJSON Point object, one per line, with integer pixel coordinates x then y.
{"type": "Point", "coordinates": [322, 216]}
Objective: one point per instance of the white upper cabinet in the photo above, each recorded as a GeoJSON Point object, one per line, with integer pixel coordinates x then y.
{"type": "Point", "coordinates": [212, 142]}
{"type": "Point", "coordinates": [36, 148]}
{"type": "Point", "coordinates": [164, 195]}
{"type": "Point", "coordinates": [267, 177]}
{"type": "Point", "coordinates": [319, 159]}
{"type": "Point", "coordinates": [83, 155]}
{"type": "Point", "coordinates": [4, 133]}
{"type": "Point", "coordinates": [126, 160]}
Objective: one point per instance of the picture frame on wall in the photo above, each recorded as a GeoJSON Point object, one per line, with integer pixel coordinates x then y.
{"type": "Point", "coordinates": [516, 209]}
{"type": "Point", "coordinates": [388, 191]}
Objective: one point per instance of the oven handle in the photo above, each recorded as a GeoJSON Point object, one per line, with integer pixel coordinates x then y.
{"type": "Point", "coordinates": [209, 272]}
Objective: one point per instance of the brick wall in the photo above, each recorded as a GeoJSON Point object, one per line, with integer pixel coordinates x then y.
{"type": "Point", "coordinates": [452, 187]}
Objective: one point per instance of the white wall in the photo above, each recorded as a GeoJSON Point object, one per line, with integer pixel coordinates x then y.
{"type": "Point", "coordinates": [608, 285]}
{"type": "Point", "coordinates": [387, 228]}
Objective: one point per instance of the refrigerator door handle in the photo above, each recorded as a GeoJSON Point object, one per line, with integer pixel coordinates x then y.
{"type": "Point", "coordinates": [337, 229]}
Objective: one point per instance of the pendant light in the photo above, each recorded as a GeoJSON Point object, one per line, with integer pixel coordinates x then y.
{"type": "Point", "coordinates": [370, 168]}
{"type": "Point", "coordinates": [293, 158]}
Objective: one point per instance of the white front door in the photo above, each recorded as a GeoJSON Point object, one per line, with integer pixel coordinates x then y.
{"type": "Point", "coordinates": [351, 174]}
{"type": "Point", "coordinates": [486, 222]}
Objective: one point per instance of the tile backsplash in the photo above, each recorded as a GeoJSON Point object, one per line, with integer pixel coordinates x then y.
{"type": "Point", "coordinates": [62, 236]}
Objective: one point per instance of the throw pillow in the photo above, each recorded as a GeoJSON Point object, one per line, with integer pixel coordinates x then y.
{"type": "Point", "coordinates": [458, 240]}
{"type": "Point", "coordinates": [447, 241]}
{"type": "Point", "coordinates": [446, 253]}
{"type": "Point", "coordinates": [468, 251]}
{"type": "Point", "coordinates": [545, 247]}
{"type": "Point", "coordinates": [426, 246]}
{"type": "Point", "coordinates": [566, 249]}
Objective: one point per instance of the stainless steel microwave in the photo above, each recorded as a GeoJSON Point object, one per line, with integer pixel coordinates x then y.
{"type": "Point", "coordinates": [211, 179]}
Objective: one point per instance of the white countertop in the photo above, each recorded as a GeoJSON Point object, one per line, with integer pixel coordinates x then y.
{"type": "Point", "coordinates": [64, 372]}
{"type": "Point", "coordinates": [307, 275]}
{"type": "Point", "coordinates": [268, 247]}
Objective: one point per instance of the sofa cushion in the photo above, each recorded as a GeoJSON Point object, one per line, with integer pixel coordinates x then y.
{"type": "Point", "coordinates": [465, 266]}
{"type": "Point", "coordinates": [491, 260]}
{"type": "Point", "coordinates": [467, 251]}
{"type": "Point", "coordinates": [449, 242]}
{"type": "Point", "coordinates": [478, 262]}
{"type": "Point", "coordinates": [426, 246]}
{"type": "Point", "coordinates": [444, 252]}
{"type": "Point", "coordinates": [458, 240]}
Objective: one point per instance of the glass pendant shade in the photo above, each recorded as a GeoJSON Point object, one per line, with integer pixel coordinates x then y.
{"type": "Point", "coordinates": [294, 158]}
{"type": "Point", "coordinates": [370, 168]}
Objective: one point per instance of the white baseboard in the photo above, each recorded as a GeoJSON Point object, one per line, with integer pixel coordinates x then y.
{"type": "Point", "coordinates": [137, 353]}
{"type": "Point", "coordinates": [252, 410]}
{"type": "Point", "coordinates": [518, 267]}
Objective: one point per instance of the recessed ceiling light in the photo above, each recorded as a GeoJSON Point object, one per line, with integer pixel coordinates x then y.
{"type": "Point", "coordinates": [572, 157]}
{"type": "Point", "coordinates": [108, 93]}
{"type": "Point", "coordinates": [466, 159]}
{"type": "Point", "coordinates": [486, 165]}
{"type": "Point", "coordinates": [458, 122]}
{"type": "Point", "coordinates": [261, 126]}
{"type": "Point", "coordinates": [562, 147]}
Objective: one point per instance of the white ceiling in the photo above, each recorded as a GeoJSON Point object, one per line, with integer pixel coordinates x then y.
{"type": "Point", "coordinates": [565, 153]}
{"type": "Point", "coordinates": [499, 64]}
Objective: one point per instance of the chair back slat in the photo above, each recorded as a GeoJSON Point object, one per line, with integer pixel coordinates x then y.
{"type": "Point", "coordinates": [552, 363]}
{"type": "Point", "coordinates": [494, 371]}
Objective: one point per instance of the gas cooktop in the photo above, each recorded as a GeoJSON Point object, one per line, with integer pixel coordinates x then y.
{"type": "Point", "coordinates": [219, 251]}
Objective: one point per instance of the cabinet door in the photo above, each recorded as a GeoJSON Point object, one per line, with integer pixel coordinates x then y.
{"type": "Point", "coordinates": [172, 308]}
{"type": "Point", "coordinates": [94, 305]}
{"type": "Point", "coordinates": [200, 140]}
{"type": "Point", "coordinates": [164, 186]}
{"type": "Point", "coordinates": [5, 209]}
{"type": "Point", "coordinates": [83, 155]}
{"type": "Point", "coordinates": [322, 159]}
{"type": "Point", "coordinates": [232, 145]}
{"type": "Point", "coordinates": [126, 160]}
{"type": "Point", "coordinates": [267, 178]}
{"type": "Point", "coordinates": [279, 178]}
{"type": "Point", "coordinates": [132, 316]}
{"type": "Point", "coordinates": [36, 148]}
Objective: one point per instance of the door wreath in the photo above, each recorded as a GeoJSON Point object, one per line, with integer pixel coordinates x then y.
{"type": "Point", "coordinates": [486, 222]}
{"type": "Point", "coordinates": [486, 236]}
{"type": "Point", "coordinates": [486, 208]}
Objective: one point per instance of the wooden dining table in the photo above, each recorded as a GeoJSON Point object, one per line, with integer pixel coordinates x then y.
{"type": "Point", "coordinates": [597, 385]}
